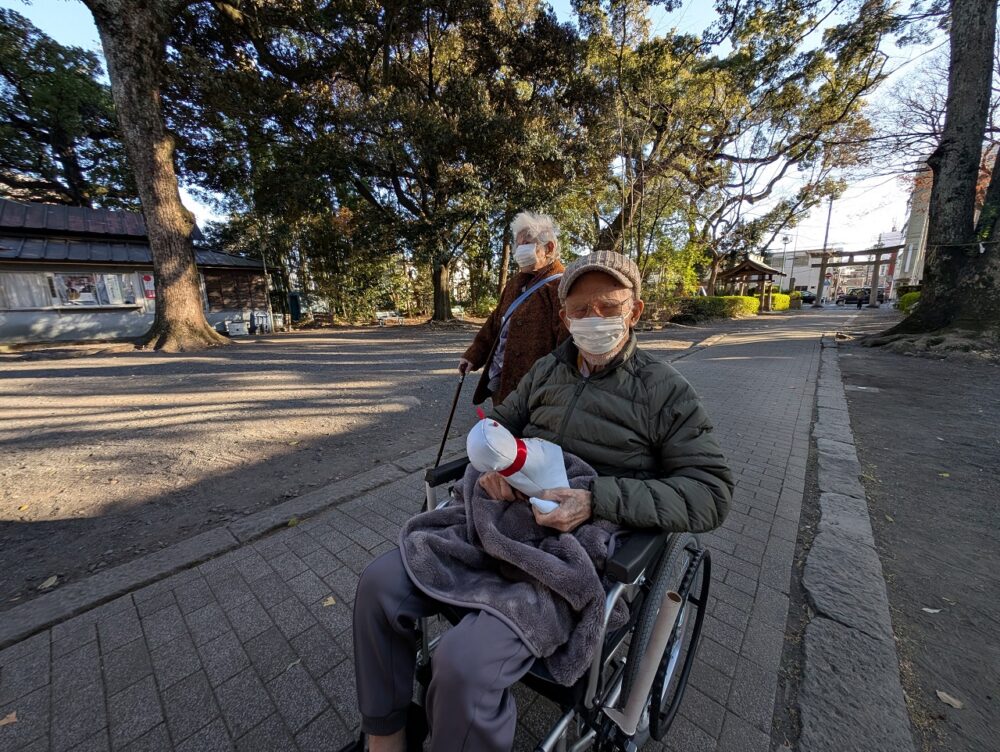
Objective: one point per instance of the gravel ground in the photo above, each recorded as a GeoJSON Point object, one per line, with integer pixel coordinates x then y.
{"type": "Point", "coordinates": [106, 458]}
{"type": "Point", "coordinates": [927, 437]}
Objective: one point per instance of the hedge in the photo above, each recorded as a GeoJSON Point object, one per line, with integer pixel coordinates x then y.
{"type": "Point", "coordinates": [780, 302]}
{"type": "Point", "coordinates": [719, 307]}
{"type": "Point", "coordinates": [907, 301]}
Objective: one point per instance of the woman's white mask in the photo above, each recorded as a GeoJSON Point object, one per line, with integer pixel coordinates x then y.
{"type": "Point", "coordinates": [525, 256]}
{"type": "Point", "coordinates": [596, 335]}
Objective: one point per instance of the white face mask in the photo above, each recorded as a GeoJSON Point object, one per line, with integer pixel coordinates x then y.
{"type": "Point", "coordinates": [598, 336]}
{"type": "Point", "coordinates": [525, 256]}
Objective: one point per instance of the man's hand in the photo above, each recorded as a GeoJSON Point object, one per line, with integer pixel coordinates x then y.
{"type": "Point", "coordinates": [496, 486]}
{"type": "Point", "coordinates": [464, 366]}
{"type": "Point", "coordinates": [576, 506]}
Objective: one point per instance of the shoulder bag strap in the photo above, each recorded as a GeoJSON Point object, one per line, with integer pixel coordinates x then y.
{"type": "Point", "coordinates": [524, 296]}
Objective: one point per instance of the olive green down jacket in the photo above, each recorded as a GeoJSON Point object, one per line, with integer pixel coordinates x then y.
{"type": "Point", "coordinates": [640, 425]}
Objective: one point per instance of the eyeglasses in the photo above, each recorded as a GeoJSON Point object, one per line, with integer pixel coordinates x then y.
{"type": "Point", "coordinates": [606, 309]}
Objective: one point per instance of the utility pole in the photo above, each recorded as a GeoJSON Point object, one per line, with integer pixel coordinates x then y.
{"type": "Point", "coordinates": [785, 240]}
{"type": "Point", "coordinates": [822, 267]}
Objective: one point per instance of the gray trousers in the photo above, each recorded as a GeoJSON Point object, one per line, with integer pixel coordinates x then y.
{"type": "Point", "coordinates": [469, 702]}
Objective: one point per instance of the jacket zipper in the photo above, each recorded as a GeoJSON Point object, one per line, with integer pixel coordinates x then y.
{"type": "Point", "coordinates": [584, 380]}
{"type": "Point", "coordinates": [576, 395]}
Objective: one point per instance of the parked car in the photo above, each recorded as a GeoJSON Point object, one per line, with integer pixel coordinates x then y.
{"type": "Point", "coordinates": [865, 293]}
{"type": "Point", "coordinates": [808, 297]}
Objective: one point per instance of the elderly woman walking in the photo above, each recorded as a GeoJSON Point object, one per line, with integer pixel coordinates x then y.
{"type": "Point", "coordinates": [525, 325]}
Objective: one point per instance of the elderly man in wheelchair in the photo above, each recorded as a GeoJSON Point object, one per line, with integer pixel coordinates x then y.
{"type": "Point", "coordinates": [518, 583]}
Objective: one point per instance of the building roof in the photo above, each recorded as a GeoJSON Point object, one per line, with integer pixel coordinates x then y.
{"type": "Point", "coordinates": [22, 217]}
{"type": "Point", "coordinates": [60, 250]}
{"type": "Point", "coordinates": [750, 267]}
{"type": "Point", "coordinates": [73, 220]}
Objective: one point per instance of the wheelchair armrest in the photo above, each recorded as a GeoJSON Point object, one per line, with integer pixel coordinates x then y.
{"type": "Point", "coordinates": [449, 471]}
{"type": "Point", "coordinates": [639, 551]}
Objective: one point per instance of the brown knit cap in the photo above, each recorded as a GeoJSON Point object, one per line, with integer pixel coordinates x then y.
{"type": "Point", "coordinates": [618, 266]}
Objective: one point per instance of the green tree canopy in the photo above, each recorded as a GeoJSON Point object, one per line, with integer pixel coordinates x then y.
{"type": "Point", "coordinates": [59, 141]}
{"type": "Point", "coordinates": [417, 130]}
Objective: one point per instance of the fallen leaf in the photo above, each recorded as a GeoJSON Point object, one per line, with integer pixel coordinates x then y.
{"type": "Point", "coordinates": [945, 475]}
{"type": "Point", "coordinates": [49, 583]}
{"type": "Point", "coordinates": [22, 507]}
{"type": "Point", "coordinates": [947, 699]}
{"type": "Point", "coordinates": [949, 601]}
{"type": "Point", "coordinates": [293, 443]}
{"type": "Point", "coordinates": [329, 601]}
{"type": "Point", "coordinates": [9, 719]}
{"type": "Point", "coordinates": [293, 522]}
{"type": "Point", "coordinates": [889, 518]}
{"type": "Point", "coordinates": [931, 610]}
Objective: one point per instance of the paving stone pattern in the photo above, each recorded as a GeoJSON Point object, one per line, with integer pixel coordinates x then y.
{"type": "Point", "coordinates": [252, 650]}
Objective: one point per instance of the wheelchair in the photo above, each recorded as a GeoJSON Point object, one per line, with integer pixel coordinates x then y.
{"type": "Point", "coordinates": [645, 570]}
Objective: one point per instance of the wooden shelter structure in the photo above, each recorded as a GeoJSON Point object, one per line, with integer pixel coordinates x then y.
{"type": "Point", "coordinates": [735, 281]}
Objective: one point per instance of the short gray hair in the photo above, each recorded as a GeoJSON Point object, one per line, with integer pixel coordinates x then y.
{"type": "Point", "coordinates": [538, 227]}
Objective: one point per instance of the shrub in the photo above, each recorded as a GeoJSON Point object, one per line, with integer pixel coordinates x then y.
{"type": "Point", "coordinates": [718, 307]}
{"type": "Point", "coordinates": [907, 301]}
{"type": "Point", "coordinates": [780, 301]}
{"type": "Point", "coordinates": [795, 294]}
{"type": "Point", "coordinates": [661, 310]}
{"type": "Point", "coordinates": [482, 307]}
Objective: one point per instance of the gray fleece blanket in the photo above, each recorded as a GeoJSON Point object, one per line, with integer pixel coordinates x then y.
{"type": "Point", "coordinates": [492, 556]}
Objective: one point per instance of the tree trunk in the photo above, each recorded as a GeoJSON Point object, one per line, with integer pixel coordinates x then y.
{"type": "Point", "coordinates": [610, 237]}
{"type": "Point", "coordinates": [75, 181]}
{"type": "Point", "coordinates": [505, 252]}
{"type": "Point", "coordinates": [442, 290]}
{"type": "Point", "coordinates": [133, 35]}
{"type": "Point", "coordinates": [713, 278]}
{"type": "Point", "coordinates": [978, 306]}
{"type": "Point", "coordinates": [952, 253]}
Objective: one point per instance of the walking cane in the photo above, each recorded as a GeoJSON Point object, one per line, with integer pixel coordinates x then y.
{"type": "Point", "coordinates": [447, 428]}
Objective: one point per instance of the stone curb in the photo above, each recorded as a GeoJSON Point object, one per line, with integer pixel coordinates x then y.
{"type": "Point", "coordinates": [850, 697]}
{"type": "Point", "coordinates": [42, 612]}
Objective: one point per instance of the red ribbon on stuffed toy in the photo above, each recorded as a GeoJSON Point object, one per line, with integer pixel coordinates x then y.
{"type": "Point", "coordinates": [519, 459]}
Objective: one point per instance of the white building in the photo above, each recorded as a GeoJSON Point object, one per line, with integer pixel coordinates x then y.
{"type": "Point", "coordinates": [910, 265]}
{"type": "Point", "coordinates": [797, 266]}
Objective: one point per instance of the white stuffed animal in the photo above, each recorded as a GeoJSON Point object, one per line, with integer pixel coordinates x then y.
{"type": "Point", "coordinates": [529, 465]}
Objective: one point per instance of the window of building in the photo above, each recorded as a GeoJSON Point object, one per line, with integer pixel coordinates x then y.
{"type": "Point", "coordinates": [25, 290]}
{"type": "Point", "coordinates": [95, 289]}
{"type": "Point", "coordinates": [116, 289]}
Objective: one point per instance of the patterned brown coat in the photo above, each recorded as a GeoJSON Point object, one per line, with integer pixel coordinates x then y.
{"type": "Point", "coordinates": [533, 332]}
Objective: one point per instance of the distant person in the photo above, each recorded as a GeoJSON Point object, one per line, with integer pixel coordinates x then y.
{"type": "Point", "coordinates": [860, 300]}
{"type": "Point", "coordinates": [525, 325]}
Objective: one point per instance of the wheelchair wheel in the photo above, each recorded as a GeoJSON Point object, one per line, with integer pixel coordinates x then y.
{"type": "Point", "coordinates": [685, 568]}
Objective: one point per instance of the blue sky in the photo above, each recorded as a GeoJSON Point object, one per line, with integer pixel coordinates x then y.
{"type": "Point", "coordinates": [67, 21]}
{"type": "Point", "coordinates": [866, 209]}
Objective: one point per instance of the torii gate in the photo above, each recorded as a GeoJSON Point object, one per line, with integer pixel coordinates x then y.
{"type": "Point", "coordinates": [839, 256]}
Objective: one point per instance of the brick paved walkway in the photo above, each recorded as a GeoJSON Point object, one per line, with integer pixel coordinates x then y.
{"type": "Point", "coordinates": [252, 650]}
